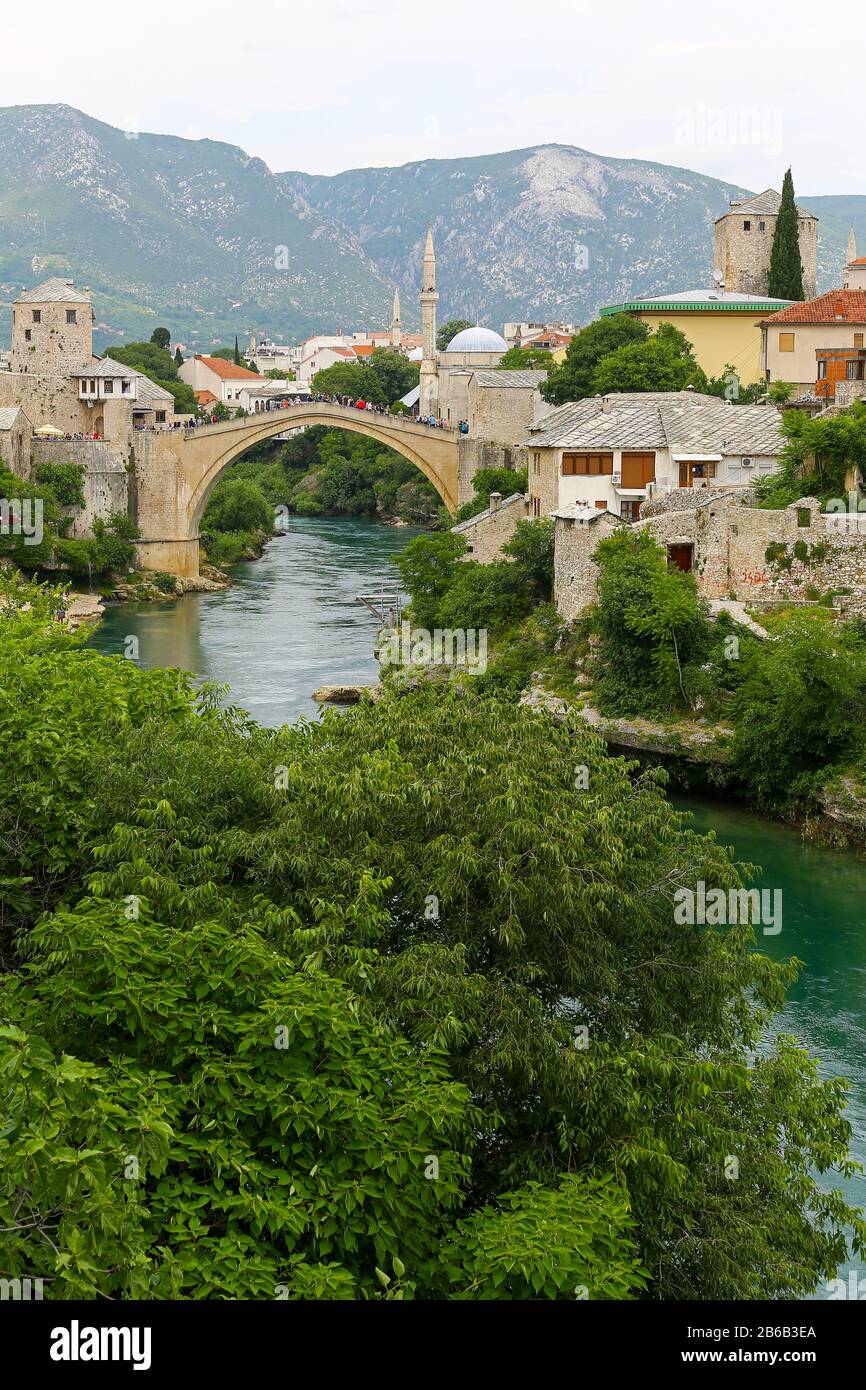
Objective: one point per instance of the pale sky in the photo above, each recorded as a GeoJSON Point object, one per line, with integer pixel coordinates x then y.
{"type": "Point", "coordinates": [738, 89]}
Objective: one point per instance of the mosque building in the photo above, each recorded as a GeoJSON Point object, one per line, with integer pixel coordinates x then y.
{"type": "Point", "coordinates": [445, 376]}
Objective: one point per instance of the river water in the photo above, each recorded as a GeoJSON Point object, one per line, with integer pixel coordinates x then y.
{"type": "Point", "coordinates": [290, 623]}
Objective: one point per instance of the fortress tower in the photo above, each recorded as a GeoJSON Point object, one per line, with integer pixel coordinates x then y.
{"type": "Point", "coordinates": [428, 403]}
{"type": "Point", "coordinates": [743, 240]}
{"type": "Point", "coordinates": [52, 329]}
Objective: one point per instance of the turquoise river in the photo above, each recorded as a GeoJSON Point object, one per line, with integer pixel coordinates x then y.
{"type": "Point", "coordinates": [290, 623]}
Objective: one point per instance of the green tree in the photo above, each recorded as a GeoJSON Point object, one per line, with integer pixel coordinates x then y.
{"type": "Point", "coordinates": [178, 357]}
{"type": "Point", "coordinates": [428, 566]}
{"type": "Point", "coordinates": [785, 279]}
{"type": "Point", "coordinates": [449, 330]}
{"type": "Point", "coordinates": [355, 379]}
{"type": "Point", "coordinates": [238, 505]}
{"type": "Point", "coordinates": [161, 337]}
{"type": "Point", "coordinates": [278, 374]}
{"type": "Point", "coordinates": [652, 627]}
{"type": "Point", "coordinates": [574, 378]}
{"type": "Point", "coordinates": [521, 359]}
{"type": "Point", "coordinates": [159, 365]}
{"type": "Point", "coordinates": [408, 1034]}
{"type": "Point", "coordinates": [662, 362]}
{"type": "Point", "coordinates": [488, 480]}
{"type": "Point", "coordinates": [800, 706]}
{"type": "Point", "coordinates": [396, 374]}
{"type": "Point", "coordinates": [531, 550]}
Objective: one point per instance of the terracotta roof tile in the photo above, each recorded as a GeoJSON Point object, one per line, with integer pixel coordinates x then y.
{"type": "Point", "coordinates": [227, 371]}
{"type": "Point", "coordinates": [824, 309]}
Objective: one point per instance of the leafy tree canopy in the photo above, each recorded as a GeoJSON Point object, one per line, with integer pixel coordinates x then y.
{"type": "Point", "coordinates": [662, 362]}
{"type": "Point", "coordinates": [574, 378]}
{"type": "Point", "coordinates": [521, 359]}
{"type": "Point", "coordinates": [161, 337]}
{"type": "Point", "coordinates": [282, 1037]}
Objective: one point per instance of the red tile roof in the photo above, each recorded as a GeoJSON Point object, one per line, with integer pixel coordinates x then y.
{"type": "Point", "coordinates": [364, 349]}
{"type": "Point", "coordinates": [861, 260]}
{"type": "Point", "coordinates": [838, 306]}
{"type": "Point", "coordinates": [227, 371]}
{"type": "Point", "coordinates": [205, 397]}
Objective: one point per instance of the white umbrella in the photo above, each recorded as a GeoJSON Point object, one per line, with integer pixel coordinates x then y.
{"type": "Point", "coordinates": [51, 430]}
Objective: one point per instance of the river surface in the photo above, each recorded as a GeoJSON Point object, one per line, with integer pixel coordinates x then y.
{"type": "Point", "coordinates": [290, 623]}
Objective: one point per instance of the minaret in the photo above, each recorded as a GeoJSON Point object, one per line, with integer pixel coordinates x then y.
{"type": "Point", "coordinates": [429, 399]}
{"type": "Point", "coordinates": [852, 247]}
{"type": "Point", "coordinates": [396, 333]}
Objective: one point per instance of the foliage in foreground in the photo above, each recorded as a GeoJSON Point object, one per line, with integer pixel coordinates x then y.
{"type": "Point", "coordinates": [473, 961]}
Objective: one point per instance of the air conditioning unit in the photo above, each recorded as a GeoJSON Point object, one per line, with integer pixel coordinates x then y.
{"type": "Point", "coordinates": [748, 463]}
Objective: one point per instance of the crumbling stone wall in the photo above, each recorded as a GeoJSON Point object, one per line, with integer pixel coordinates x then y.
{"type": "Point", "coordinates": [106, 480]}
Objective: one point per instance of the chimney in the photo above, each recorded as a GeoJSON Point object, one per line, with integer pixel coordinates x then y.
{"type": "Point", "coordinates": [605, 404]}
{"type": "Point", "coordinates": [495, 499]}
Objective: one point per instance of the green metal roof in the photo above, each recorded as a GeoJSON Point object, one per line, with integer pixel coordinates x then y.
{"type": "Point", "coordinates": [743, 306]}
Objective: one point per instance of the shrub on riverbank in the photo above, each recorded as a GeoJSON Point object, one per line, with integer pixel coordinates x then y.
{"type": "Point", "coordinates": [472, 954]}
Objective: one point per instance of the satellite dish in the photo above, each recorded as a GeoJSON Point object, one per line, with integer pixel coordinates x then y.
{"type": "Point", "coordinates": [718, 279]}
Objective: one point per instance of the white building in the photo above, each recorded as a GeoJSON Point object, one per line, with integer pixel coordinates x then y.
{"type": "Point", "coordinates": [215, 379]}
{"type": "Point", "coordinates": [611, 452]}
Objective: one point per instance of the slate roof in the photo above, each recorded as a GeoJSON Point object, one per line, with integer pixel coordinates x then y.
{"type": "Point", "coordinates": [516, 379]}
{"type": "Point", "coordinates": [106, 367]}
{"type": "Point", "coordinates": [490, 511]}
{"type": "Point", "coordinates": [683, 421]}
{"type": "Point", "coordinates": [767, 202]}
{"type": "Point", "coordinates": [53, 291]}
{"type": "Point", "coordinates": [8, 416]}
{"type": "Point", "coordinates": [823, 309]}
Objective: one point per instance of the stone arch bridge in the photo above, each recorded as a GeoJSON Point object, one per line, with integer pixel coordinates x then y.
{"type": "Point", "coordinates": [176, 470]}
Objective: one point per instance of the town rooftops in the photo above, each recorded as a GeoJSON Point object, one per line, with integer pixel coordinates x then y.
{"type": "Point", "coordinates": [684, 422]}
{"type": "Point", "coordinates": [54, 291]}
{"type": "Point", "coordinates": [227, 371]}
{"type": "Point", "coordinates": [685, 301]}
{"type": "Point", "coordinates": [514, 380]}
{"type": "Point", "coordinates": [767, 202]}
{"type": "Point", "coordinates": [837, 306]}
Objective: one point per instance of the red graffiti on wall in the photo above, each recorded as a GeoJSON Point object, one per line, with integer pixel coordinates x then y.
{"type": "Point", "coordinates": [754, 576]}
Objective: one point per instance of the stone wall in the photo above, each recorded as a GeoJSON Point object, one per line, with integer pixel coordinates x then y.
{"type": "Point", "coordinates": [55, 346]}
{"type": "Point", "coordinates": [15, 446]}
{"type": "Point", "coordinates": [501, 416]}
{"type": "Point", "coordinates": [46, 400]}
{"type": "Point", "coordinates": [486, 534]}
{"type": "Point", "coordinates": [575, 574]}
{"type": "Point", "coordinates": [744, 256]}
{"type": "Point", "coordinates": [106, 480]}
{"type": "Point", "coordinates": [475, 454]}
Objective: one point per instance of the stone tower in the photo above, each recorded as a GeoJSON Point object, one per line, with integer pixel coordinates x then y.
{"type": "Point", "coordinates": [428, 403]}
{"type": "Point", "coordinates": [743, 240]}
{"type": "Point", "coordinates": [396, 331]}
{"type": "Point", "coordinates": [52, 329]}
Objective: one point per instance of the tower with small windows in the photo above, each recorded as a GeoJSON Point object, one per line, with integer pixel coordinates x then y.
{"type": "Point", "coordinates": [52, 329]}
{"type": "Point", "coordinates": [743, 241]}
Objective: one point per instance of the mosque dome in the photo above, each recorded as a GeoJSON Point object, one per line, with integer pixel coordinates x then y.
{"type": "Point", "coordinates": [416, 354]}
{"type": "Point", "coordinates": [477, 339]}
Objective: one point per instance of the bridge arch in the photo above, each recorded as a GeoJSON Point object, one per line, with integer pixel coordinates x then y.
{"type": "Point", "coordinates": [176, 471]}
{"type": "Point", "coordinates": [413, 444]}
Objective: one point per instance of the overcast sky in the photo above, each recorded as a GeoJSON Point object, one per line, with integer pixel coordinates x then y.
{"type": "Point", "coordinates": [738, 89]}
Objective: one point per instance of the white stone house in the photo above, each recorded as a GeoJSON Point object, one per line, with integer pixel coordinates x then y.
{"type": "Point", "coordinates": [222, 379]}
{"type": "Point", "coordinates": [611, 452]}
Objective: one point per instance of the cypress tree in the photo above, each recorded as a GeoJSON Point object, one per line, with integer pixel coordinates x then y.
{"type": "Point", "coordinates": [237, 356]}
{"type": "Point", "coordinates": [178, 357]}
{"type": "Point", "coordinates": [786, 268]}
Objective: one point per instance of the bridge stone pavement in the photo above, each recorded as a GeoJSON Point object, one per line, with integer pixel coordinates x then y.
{"type": "Point", "coordinates": [176, 471]}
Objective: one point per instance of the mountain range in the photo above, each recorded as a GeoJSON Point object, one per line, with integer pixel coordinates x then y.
{"type": "Point", "coordinates": [207, 240]}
